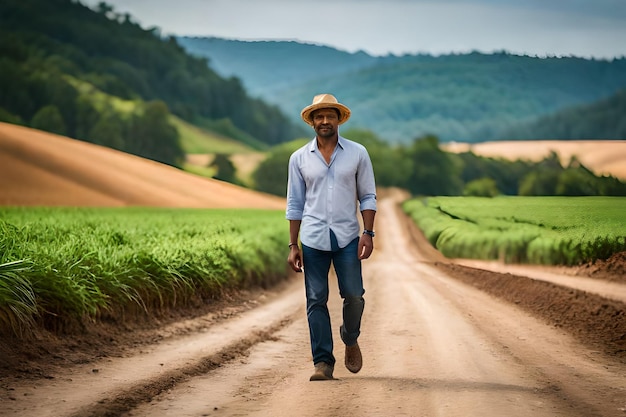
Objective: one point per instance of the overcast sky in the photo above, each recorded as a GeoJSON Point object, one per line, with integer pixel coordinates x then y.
{"type": "Point", "coordinates": [586, 28]}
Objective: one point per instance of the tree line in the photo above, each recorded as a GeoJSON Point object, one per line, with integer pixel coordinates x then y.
{"type": "Point", "coordinates": [424, 169]}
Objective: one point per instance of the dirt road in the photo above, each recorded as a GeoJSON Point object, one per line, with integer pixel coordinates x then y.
{"type": "Point", "coordinates": [432, 346]}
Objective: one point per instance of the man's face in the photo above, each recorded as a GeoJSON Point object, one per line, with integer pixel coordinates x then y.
{"type": "Point", "coordinates": [325, 122]}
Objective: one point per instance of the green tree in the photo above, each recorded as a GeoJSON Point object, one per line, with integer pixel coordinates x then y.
{"type": "Point", "coordinates": [7, 117]}
{"type": "Point", "coordinates": [483, 187]}
{"type": "Point", "coordinates": [49, 118]}
{"type": "Point", "coordinates": [63, 96]}
{"type": "Point", "coordinates": [225, 168]}
{"type": "Point", "coordinates": [576, 182]}
{"type": "Point", "coordinates": [86, 118]}
{"type": "Point", "coordinates": [271, 174]}
{"type": "Point", "coordinates": [153, 137]}
{"type": "Point", "coordinates": [391, 165]}
{"type": "Point", "coordinates": [610, 186]}
{"type": "Point", "coordinates": [109, 131]}
{"type": "Point", "coordinates": [539, 183]}
{"type": "Point", "coordinates": [505, 173]}
{"type": "Point", "coordinates": [434, 172]}
{"type": "Point", "coordinates": [16, 88]}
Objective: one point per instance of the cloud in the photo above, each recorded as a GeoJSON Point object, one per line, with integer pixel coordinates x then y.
{"type": "Point", "coordinates": [539, 27]}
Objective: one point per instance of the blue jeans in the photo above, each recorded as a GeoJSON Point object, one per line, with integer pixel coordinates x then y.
{"type": "Point", "coordinates": [348, 269]}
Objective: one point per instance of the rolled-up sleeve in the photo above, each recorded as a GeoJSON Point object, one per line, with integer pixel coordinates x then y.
{"type": "Point", "coordinates": [366, 184]}
{"type": "Point", "coordinates": [295, 190]}
{"type": "Point", "coordinates": [368, 202]}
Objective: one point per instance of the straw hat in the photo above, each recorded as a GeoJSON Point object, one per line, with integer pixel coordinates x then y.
{"type": "Point", "coordinates": [325, 101]}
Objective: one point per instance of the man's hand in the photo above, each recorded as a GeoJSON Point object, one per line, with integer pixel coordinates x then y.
{"type": "Point", "coordinates": [295, 258]}
{"type": "Point", "coordinates": [366, 246]}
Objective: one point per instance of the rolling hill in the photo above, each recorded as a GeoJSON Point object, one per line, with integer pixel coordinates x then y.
{"type": "Point", "coordinates": [42, 169]}
{"type": "Point", "coordinates": [605, 118]}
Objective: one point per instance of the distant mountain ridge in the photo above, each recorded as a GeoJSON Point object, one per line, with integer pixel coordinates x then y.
{"type": "Point", "coordinates": [605, 117]}
{"type": "Point", "coordinates": [470, 97]}
{"type": "Point", "coordinates": [268, 66]}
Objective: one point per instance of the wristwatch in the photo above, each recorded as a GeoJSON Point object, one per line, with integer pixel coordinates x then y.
{"type": "Point", "coordinates": [369, 232]}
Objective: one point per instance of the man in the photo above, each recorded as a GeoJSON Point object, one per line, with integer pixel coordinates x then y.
{"type": "Point", "coordinates": [326, 179]}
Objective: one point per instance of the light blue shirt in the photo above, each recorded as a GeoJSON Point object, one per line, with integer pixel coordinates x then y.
{"type": "Point", "coordinates": [324, 196]}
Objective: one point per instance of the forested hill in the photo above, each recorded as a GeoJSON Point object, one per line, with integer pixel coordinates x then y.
{"type": "Point", "coordinates": [277, 65]}
{"type": "Point", "coordinates": [96, 75]}
{"type": "Point", "coordinates": [464, 97]}
{"type": "Point", "coordinates": [606, 118]}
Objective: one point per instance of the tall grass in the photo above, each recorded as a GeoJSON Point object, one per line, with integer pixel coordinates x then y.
{"type": "Point", "coordinates": [73, 264]}
{"type": "Point", "coordinates": [540, 230]}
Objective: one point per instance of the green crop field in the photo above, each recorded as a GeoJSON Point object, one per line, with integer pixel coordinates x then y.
{"type": "Point", "coordinates": [540, 230]}
{"type": "Point", "coordinates": [77, 263]}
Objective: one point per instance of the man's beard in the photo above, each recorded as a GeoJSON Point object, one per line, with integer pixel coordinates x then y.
{"type": "Point", "coordinates": [329, 132]}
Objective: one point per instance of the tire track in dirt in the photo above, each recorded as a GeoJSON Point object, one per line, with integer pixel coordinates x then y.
{"type": "Point", "coordinates": [112, 386]}
{"type": "Point", "coordinates": [145, 390]}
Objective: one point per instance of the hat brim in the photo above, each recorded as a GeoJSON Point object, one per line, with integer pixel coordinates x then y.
{"type": "Point", "coordinates": [307, 112]}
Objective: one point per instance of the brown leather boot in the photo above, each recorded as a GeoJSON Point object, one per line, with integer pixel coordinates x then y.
{"type": "Point", "coordinates": [323, 372]}
{"type": "Point", "coordinates": [353, 360]}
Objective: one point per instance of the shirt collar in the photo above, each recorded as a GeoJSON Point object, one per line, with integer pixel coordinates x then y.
{"type": "Point", "coordinates": [313, 145]}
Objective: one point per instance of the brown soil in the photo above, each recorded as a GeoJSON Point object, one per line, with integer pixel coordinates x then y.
{"type": "Point", "coordinates": [593, 319]}
{"type": "Point", "coordinates": [611, 269]}
{"type": "Point", "coordinates": [439, 337]}
{"type": "Point", "coordinates": [38, 168]}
